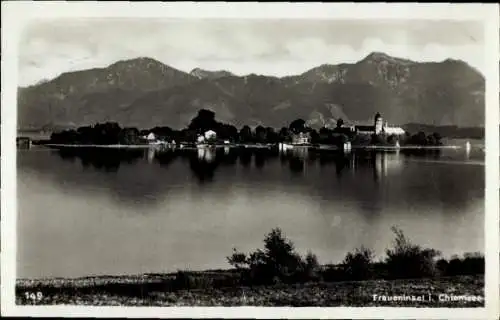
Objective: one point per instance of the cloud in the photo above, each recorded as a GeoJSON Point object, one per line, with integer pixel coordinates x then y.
{"type": "Point", "coordinates": [272, 47]}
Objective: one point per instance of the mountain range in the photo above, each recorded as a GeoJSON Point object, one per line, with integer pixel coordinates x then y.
{"type": "Point", "coordinates": [144, 93]}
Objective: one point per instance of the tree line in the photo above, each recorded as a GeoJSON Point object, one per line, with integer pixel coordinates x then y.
{"type": "Point", "coordinates": [279, 262]}
{"type": "Point", "coordinates": [113, 133]}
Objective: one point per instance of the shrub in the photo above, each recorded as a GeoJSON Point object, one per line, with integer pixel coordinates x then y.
{"type": "Point", "coordinates": [442, 266]}
{"type": "Point", "coordinates": [357, 265]}
{"type": "Point", "coordinates": [379, 139]}
{"type": "Point", "coordinates": [333, 273]}
{"type": "Point", "coordinates": [392, 139]}
{"type": "Point", "coordinates": [361, 140]}
{"type": "Point", "coordinates": [277, 262]}
{"type": "Point", "coordinates": [407, 260]}
{"type": "Point", "coordinates": [186, 281]}
{"type": "Point", "coordinates": [312, 267]}
{"type": "Point", "coordinates": [473, 263]}
{"type": "Point", "coordinates": [183, 280]}
{"type": "Point", "coordinates": [238, 260]}
{"type": "Point", "coordinates": [470, 264]}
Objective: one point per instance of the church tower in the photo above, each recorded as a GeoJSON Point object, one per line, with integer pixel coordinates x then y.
{"type": "Point", "coordinates": [379, 123]}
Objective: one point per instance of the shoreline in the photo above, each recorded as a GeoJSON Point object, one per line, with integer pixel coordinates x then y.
{"type": "Point", "coordinates": [253, 146]}
{"type": "Point", "coordinates": [156, 292]}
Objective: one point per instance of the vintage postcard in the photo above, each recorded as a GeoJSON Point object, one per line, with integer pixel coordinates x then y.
{"type": "Point", "coordinates": [250, 160]}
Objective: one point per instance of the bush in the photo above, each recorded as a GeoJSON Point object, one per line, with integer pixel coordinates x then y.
{"type": "Point", "coordinates": [378, 139]}
{"type": "Point", "coordinates": [361, 140]}
{"type": "Point", "coordinates": [277, 262]}
{"type": "Point", "coordinates": [421, 139]}
{"type": "Point", "coordinates": [392, 139]}
{"type": "Point", "coordinates": [407, 260]}
{"type": "Point", "coordinates": [312, 267]}
{"type": "Point", "coordinates": [442, 266]}
{"type": "Point", "coordinates": [333, 273]}
{"type": "Point", "coordinates": [473, 263]}
{"type": "Point", "coordinates": [186, 281]}
{"type": "Point", "coordinates": [357, 265]}
{"type": "Point", "coordinates": [470, 264]}
{"type": "Point", "coordinates": [238, 260]}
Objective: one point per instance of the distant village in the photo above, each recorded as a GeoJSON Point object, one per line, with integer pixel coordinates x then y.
{"type": "Point", "coordinates": [303, 137]}
{"type": "Point", "coordinates": [204, 130]}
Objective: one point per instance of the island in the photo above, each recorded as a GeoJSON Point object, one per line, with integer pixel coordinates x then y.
{"type": "Point", "coordinates": [204, 131]}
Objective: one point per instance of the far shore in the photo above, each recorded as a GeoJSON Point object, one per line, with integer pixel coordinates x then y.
{"type": "Point", "coordinates": [193, 146]}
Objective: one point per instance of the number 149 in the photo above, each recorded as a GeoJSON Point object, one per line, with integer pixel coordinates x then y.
{"type": "Point", "coordinates": [33, 296]}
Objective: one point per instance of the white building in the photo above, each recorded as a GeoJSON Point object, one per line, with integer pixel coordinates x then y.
{"type": "Point", "coordinates": [393, 131]}
{"type": "Point", "coordinates": [200, 139]}
{"type": "Point", "coordinates": [378, 126]}
{"type": "Point", "coordinates": [210, 135]}
{"type": "Point", "coordinates": [381, 127]}
{"type": "Point", "coordinates": [151, 137]}
{"type": "Point", "coordinates": [301, 138]}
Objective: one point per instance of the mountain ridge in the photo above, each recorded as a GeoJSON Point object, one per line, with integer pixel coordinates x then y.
{"type": "Point", "coordinates": [146, 92]}
{"type": "Point", "coordinates": [368, 57]}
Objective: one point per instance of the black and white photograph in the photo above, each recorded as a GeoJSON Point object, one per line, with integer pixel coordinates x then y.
{"type": "Point", "coordinates": [247, 161]}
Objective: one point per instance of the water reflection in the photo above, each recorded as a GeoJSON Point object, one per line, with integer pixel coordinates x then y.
{"type": "Point", "coordinates": [189, 208]}
{"type": "Point", "coordinates": [137, 180]}
{"type": "Point", "coordinates": [245, 156]}
{"type": "Point", "coordinates": [101, 159]}
{"type": "Point", "coordinates": [204, 164]}
{"type": "Point", "coordinates": [205, 161]}
{"type": "Point", "coordinates": [206, 154]}
{"type": "Point", "coordinates": [151, 155]}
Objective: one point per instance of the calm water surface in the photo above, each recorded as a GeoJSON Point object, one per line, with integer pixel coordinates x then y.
{"type": "Point", "coordinates": [116, 212]}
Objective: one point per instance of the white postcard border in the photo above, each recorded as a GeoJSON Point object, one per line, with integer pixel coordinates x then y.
{"type": "Point", "coordinates": [17, 14]}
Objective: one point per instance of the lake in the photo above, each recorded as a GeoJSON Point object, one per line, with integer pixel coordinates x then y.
{"type": "Point", "coordinates": [87, 212]}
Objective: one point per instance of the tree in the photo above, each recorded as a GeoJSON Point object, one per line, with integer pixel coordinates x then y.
{"type": "Point", "coordinates": [284, 135]}
{"type": "Point", "coordinates": [340, 139]}
{"type": "Point", "coordinates": [315, 137]}
{"type": "Point", "coordinates": [188, 135]}
{"type": "Point", "coordinates": [227, 132]}
{"type": "Point", "coordinates": [378, 139]}
{"type": "Point", "coordinates": [86, 134]}
{"type": "Point", "coordinates": [392, 139]}
{"type": "Point", "coordinates": [278, 261]}
{"type": "Point", "coordinates": [163, 132]}
{"type": "Point", "coordinates": [407, 260]}
{"type": "Point", "coordinates": [129, 136]}
{"type": "Point", "coordinates": [357, 265]}
{"type": "Point", "coordinates": [419, 139]}
{"type": "Point", "coordinates": [437, 138]}
{"type": "Point", "coordinates": [325, 135]}
{"type": "Point", "coordinates": [340, 123]}
{"type": "Point", "coordinates": [297, 126]}
{"type": "Point", "coordinates": [65, 137]}
{"type": "Point", "coordinates": [106, 133]}
{"type": "Point", "coordinates": [271, 135]}
{"type": "Point", "coordinates": [311, 267]}
{"type": "Point", "coordinates": [246, 134]}
{"type": "Point", "coordinates": [260, 134]}
{"type": "Point", "coordinates": [238, 260]}
{"type": "Point", "coordinates": [430, 140]}
{"type": "Point", "coordinates": [204, 121]}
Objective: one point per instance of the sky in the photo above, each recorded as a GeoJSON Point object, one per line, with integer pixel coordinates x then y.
{"type": "Point", "coordinates": [269, 47]}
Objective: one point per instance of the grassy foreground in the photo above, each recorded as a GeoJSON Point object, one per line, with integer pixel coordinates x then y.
{"type": "Point", "coordinates": [277, 275]}
{"type": "Point", "coordinates": [153, 291]}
